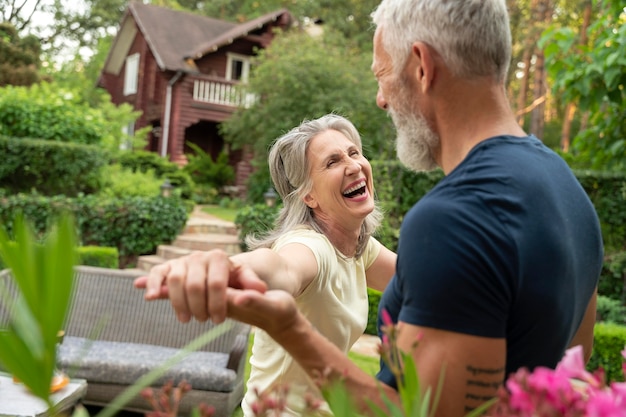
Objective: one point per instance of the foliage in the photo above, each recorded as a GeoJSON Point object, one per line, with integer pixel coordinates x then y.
{"type": "Point", "coordinates": [19, 57]}
{"type": "Point", "coordinates": [373, 299]}
{"type": "Point", "coordinates": [49, 167]}
{"type": "Point", "coordinates": [45, 111]}
{"type": "Point", "coordinates": [594, 76]}
{"type": "Point", "coordinates": [44, 275]}
{"type": "Point", "coordinates": [133, 225]}
{"type": "Point", "coordinates": [254, 220]}
{"type": "Point", "coordinates": [609, 310]}
{"type": "Point", "coordinates": [162, 168]}
{"type": "Point", "coordinates": [302, 77]}
{"type": "Point", "coordinates": [100, 256]}
{"type": "Point", "coordinates": [607, 191]}
{"type": "Point", "coordinates": [204, 171]}
{"type": "Point", "coordinates": [122, 182]}
{"type": "Point", "coordinates": [613, 277]}
{"type": "Point", "coordinates": [608, 340]}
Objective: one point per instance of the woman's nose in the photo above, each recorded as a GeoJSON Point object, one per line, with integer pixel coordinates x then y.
{"type": "Point", "coordinates": [353, 167]}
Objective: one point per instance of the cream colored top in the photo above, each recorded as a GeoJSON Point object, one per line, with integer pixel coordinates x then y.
{"type": "Point", "coordinates": [336, 305]}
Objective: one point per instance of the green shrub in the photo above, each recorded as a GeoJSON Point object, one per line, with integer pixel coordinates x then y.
{"type": "Point", "coordinates": [373, 297]}
{"type": "Point", "coordinates": [101, 256]}
{"type": "Point", "coordinates": [120, 182]}
{"type": "Point", "coordinates": [204, 171]}
{"type": "Point", "coordinates": [609, 341]}
{"type": "Point", "coordinates": [43, 112]}
{"type": "Point", "coordinates": [50, 168]}
{"type": "Point", "coordinates": [161, 168]}
{"type": "Point", "coordinates": [133, 225]}
{"type": "Point", "coordinates": [254, 220]}
{"type": "Point", "coordinates": [613, 277]}
{"type": "Point", "coordinates": [607, 191]}
{"type": "Point", "coordinates": [610, 311]}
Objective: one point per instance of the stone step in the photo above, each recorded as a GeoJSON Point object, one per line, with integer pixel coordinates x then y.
{"type": "Point", "coordinates": [207, 241]}
{"type": "Point", "coordinates": [171, 252]}
{"type": "Point", "coordinates": [146, 262]}
{"type": "Point", "coordinates": [209, 226]}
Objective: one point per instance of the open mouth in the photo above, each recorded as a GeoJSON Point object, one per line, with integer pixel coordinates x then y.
{"type": "Point", "coordinates": [355, 190]}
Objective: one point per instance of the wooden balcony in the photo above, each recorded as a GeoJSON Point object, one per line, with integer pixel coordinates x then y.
{"type": "Point", "coordinates": [222, 93]}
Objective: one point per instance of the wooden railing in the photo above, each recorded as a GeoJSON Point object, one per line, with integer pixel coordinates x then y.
{"type": "Point", "coordinates": [221, 93]}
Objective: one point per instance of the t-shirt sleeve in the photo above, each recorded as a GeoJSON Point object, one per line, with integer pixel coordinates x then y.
{"type": "Point", "coordinates": [454, 268]}
{"type": "Point", "coordinates": [318, 244]}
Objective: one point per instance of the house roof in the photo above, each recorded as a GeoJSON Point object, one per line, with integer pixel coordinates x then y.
{"type": "Point", "coordinates": [175, 36]}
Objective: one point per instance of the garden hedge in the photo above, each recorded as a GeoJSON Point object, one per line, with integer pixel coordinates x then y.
{"type": "Point", "coordinates": [133, 225]}
{"type": "Point", "coordinates": [49, 167]}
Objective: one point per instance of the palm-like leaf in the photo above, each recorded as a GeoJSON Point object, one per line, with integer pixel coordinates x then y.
{"type": "Point", "coordinates": [44, 275]}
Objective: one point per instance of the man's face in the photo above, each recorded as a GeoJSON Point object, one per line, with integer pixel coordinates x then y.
{"type": "Point", "coordinates": [416, 141]}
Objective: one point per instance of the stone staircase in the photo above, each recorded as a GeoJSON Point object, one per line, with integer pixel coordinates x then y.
{"type": "Point", "coordinates": [202, 232]}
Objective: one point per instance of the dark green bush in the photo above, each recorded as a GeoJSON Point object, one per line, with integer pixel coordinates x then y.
{"type": "Point", "coordinates": [204, 171]}
{"type": "Point", "coordinates": [92, 256]}
{"type": "Point", "coordinates": [610, 311]}
{"type": "Point", "coordinates": [373, 297]}
{"type": "Point", "coordinates": [254, 220]}
{"type": "Point", "coordinates": [101, 256]}
{"type": "Point", "coordinates": [607, 191]}
{"type": "Point", "coordinates": [50, 168]}
{"type": "Point", "coordinates": [133, 225]}
{"type": "Point", "coordinates": [144, 161]}
{"type": "Point", "coordinates": [613, 278]}
{"type": "Point", "coordinates": [609, 341]}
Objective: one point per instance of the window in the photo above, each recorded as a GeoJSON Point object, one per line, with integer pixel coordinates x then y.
{"type": "Point", "coordinates": [132, 74]}
{"type": "Point", "coordinates": [237, 67]}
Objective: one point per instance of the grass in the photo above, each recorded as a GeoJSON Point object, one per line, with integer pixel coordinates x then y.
{"type": "Point", "coordinates": [223, 213]}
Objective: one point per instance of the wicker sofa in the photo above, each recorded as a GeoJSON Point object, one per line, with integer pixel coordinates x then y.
{"type": "Point", "coordinates": [113, 337]}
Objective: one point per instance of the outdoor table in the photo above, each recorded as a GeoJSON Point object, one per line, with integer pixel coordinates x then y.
{"type": "Point", "coordinates": [17, 401]}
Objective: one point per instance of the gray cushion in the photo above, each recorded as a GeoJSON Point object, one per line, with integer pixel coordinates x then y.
{"type": "Point", "coordinates": [123, 363]}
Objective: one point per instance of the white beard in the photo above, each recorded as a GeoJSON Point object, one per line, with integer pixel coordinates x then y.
{"type": "Point", "coordinates": [416, 141]}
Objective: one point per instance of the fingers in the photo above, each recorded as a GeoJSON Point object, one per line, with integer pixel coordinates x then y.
{"type": "Point", "coordinates": [273, 311]}
{"type": "Point", "coordinates": [196, 284]}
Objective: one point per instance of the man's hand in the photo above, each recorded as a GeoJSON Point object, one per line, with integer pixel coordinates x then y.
{"type": "Point", "coordinates": [196, 284]}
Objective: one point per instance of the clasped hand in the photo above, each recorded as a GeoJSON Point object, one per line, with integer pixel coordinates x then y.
{"type": "Point", "coordinates": [210, 285]}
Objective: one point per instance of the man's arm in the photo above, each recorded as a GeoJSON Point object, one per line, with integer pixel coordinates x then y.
{"type": "Point", "coordinates": [584, 334]}
{"type": "Point", "coordinates": [474, 366]}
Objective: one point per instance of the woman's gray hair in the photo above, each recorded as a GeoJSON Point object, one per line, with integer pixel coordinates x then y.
{"type": "Point", "coordinates": [472, 36]}
{"type": "Point", "coordinates": [289, 168]}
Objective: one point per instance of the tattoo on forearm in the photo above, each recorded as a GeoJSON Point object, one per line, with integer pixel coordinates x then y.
{"type": "Point", "coordinates": [481, 385]}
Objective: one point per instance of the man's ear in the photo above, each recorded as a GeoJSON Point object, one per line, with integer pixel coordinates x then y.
{"type": "Point", "coordinates": [309, 200]}
{"type": "Point", "coordinates": [423, 65]}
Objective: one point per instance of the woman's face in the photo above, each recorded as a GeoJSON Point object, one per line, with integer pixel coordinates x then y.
{"type": "Point", "coordinates": [342, 180]}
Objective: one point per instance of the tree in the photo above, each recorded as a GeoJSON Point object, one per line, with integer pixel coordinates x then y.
{"type": "Point", "coordinates": [19, 57]}
{"type": "Point", "coordinates": [302, 77]}
{"type": "Point", "coordinates": [593, 75]}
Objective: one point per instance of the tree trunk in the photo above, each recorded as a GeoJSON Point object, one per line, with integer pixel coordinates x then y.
{"type": "Point", "coordinates": [570, 109]}
{"type": "Point", "coordinates": [543, 14]}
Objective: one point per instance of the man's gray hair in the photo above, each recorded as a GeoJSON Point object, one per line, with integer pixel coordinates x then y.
{"type": "Point", "coordinates": [472, 36]}
{"type": "Point", "coordinates": [290, 172]}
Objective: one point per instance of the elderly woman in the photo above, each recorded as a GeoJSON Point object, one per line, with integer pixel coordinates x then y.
{"type": "Point", "coordinates": [321, 251]}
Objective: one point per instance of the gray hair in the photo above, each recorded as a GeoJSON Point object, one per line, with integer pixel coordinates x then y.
{"type": "Point", "coordinates": [472, 36]}
{"type": "Point", "coordinates": [289, 168]}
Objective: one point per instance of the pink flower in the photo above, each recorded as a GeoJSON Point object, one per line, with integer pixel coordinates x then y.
{"type": "Point", "coordinates": [386, 318]}
{"type": "Point", "coordinates": [604, 404]}
{"type": "Point", "coordinates": [573, 366]}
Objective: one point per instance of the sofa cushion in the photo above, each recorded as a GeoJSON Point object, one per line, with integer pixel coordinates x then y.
{"type": "Point", "coordinates": [123, 363]}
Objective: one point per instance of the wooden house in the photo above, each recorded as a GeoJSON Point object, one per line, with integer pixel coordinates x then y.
{"type": "Point", "coordinates": [179, 70]}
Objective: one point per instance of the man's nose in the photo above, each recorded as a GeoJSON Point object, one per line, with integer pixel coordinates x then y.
{"type": "Point", "coordinates": [380, 99]}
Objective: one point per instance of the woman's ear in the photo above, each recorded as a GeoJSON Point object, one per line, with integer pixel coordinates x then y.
{"type": "Point", "coordinates": [309, 200]}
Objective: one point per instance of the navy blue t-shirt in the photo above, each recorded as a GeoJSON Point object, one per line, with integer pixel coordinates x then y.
{"type": "Point", "coordinates": [508, 245]}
